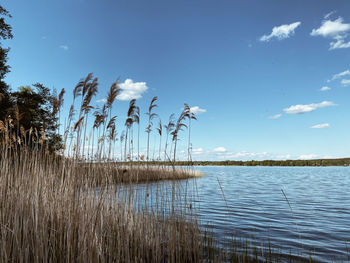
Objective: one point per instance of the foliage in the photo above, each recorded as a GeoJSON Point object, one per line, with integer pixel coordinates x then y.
{"type": "Point", "coordinates": [5, 33]}
{"type": "Point", "coordinates": [36, 110]}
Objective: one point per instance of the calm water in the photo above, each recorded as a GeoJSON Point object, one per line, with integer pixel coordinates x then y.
{"type": "Point", "coordinates": [310, 217]}
{"type": "Point", "coordinates": [248, 202]}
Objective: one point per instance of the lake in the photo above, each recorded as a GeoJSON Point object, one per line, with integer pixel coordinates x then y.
{"type": "Point", "coordinates": [311, 217]}
{"type": "Point", "coordinates": [300, 211]}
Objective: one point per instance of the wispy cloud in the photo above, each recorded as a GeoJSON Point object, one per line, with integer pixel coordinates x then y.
{"type": "Point", "coordinates": [196, 110]}
{"type": "Point", "coordinates": [325, 88]}
{"type": "Point", "coordinates": [345, 82]}
{"type": "Point", "coordinates": [220, 149]}
{"type": "Point", "coordinates": [328, 15]}
{"type": "Point", "coordinates": [336, 29]}
{"type": "Point", "coordinates": [307, 156]}
{"type": "Point", "coordinates": [64, 47]}
{"type": "Point", "coordinates": [104, 100]}
{"type": "Point", "coordinates": [283, 156]}
{"type": "Point", "coordinates": [197, 151]}
{"type": "Point", "coordinates": [339, 43]}
{"type": "Point", "coordinates": [277, 116]}
{"type": "Point", "coordinates": [340, 75]}
{"type": "Point", "coordinates": [320, 126]}
{"type": "Point", "coordinates": [247, 155]}
{"type": "Point", "coordinates": [281, 32]}
{"type": "Point", "coordinates": [304, 108]}
{"type": "Point", "coordinates": [132, 90]}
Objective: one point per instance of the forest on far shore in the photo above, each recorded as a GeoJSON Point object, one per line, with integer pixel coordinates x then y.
{"type": "Point", "coordinates": [314, 162]}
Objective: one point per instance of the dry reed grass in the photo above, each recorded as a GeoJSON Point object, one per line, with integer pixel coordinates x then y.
{"type": "Point", "coordinates": [51, 212]}
{"type": "Point", "coordinates": [58, 209]}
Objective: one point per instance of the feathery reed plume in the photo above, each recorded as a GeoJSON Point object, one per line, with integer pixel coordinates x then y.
{"type": "Point", "coordinates": [132, 116]}
{"type": "Point", "coordinates": [111, 134]}
{"type": "Point", "coordinates": [86, 84]}
{"type": "Point", "coordinates": [151, 116]}
{"type": "Point", "coordinates": [77, 89]}
{"type": "Point", "coordinates": [113, 93]}
{"type": "Point", "coordinates": [191, 116]}
{"type": "Point", "coordinates": [60, 98]}
{"type": "Point", "coordinates": [78, 123]}
{"type": "Point", "coordinates": [178, 128]}
{"type": "Point", "coordinates": [136, 119]}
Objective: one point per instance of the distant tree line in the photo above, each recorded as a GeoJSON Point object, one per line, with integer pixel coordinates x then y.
{"type": "Point", "coordinates": [316, 162]}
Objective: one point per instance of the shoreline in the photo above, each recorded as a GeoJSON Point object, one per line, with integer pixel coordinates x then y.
{"type": "Point", "coordinates": [345, 162]}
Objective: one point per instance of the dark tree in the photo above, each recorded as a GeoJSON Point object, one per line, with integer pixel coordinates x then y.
{"type": "Point", "coordinates": [5, 33]}
{"type": "Point", "coordinates": [36, 109]}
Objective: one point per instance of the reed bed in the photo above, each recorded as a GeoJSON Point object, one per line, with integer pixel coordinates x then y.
{"type": "Point", "coordinates": [76, 204]}
{"type": "Point", "coordinates": [121, 173]}
{"type": "Point", "coordinates": [51, 212]}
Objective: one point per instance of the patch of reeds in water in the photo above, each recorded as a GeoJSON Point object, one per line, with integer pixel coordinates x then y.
{"type": "Point", "coordinates": [50, 212]}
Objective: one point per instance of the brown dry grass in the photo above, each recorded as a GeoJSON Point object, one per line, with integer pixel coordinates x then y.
{"type": "Point", "coordinates": [50, 211]}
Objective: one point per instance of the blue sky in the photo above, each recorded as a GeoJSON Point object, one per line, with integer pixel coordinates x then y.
{"type": "Point", "coordinates": [243, 62]}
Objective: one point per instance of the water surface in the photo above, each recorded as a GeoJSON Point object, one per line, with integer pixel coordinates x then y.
{"type": "Point", "coordinates": [305, 210]}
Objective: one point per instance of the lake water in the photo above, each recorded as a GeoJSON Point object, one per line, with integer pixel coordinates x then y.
{"type": "Point", "coordinates": [299, 211]}
{"type": "Point", "coordinates": [310, 217]}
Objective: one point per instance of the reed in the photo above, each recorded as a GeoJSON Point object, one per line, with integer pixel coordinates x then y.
{"type": "Point", "coordinates": [52, 211]}
{"type": "Point", "coordinates": [62, 207]}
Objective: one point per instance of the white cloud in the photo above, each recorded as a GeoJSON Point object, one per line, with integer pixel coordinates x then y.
{"type": "Point", "coordinates": [299, 109]}
{"type": "Point", "coordinates": [104, 100]}
{"type": "Point", "coordinates": [329, 14]}
{"type": "Point", "coordinates": [331, 28]}
{"type": "Point", "coordinates": [325, 88]}
{"type": "Point", "coordinates": [284, 157]}
{"type": "Point", "coordinates": [307, 156]}
{"type": "Point", "coordinates": [132, 90]}
{"type": "Point", "coordinates": [277, 116]}
{"type": "Point", "coordinates": [336, 30]}
{"type": "Point", "coordinates": [197, 151]}
{"type": "Point", "coordinates": [247, 155]}
{"type": "Point", "coordinates": [64, 47]}
{"type": "Point", "coordinates": [220, 149]}
{"type": "Point", "coordinates": [320, 126]}
{"type": "Point", "coordinates": [196, 110]}
{"type": "Point", "coordinates": [340, 43]}
{"type": "Point", "coordinates": [345, 82]}
{"type": "Point", "coordinates": [340, 75]}
{"type": "Point", "coordinates": [281, 32]}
